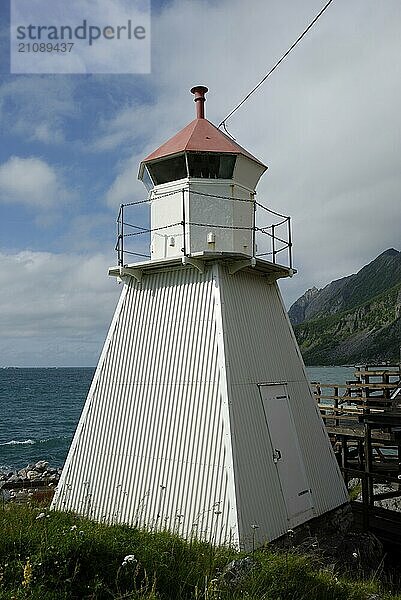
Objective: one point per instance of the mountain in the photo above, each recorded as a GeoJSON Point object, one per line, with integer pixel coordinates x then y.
{"type": "Point", "coordinates": [353, 319]}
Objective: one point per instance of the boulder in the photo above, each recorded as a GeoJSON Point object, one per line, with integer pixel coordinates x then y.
{"type": "Point", "coordinates": [41, 466]}
{"type": "Point", "coordinates": [14, 478]}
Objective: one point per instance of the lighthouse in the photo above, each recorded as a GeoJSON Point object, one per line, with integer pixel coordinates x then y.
{"type": "Point", "coordinates": [200, 418]}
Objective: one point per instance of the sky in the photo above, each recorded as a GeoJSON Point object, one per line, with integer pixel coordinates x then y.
{"type": "Point", "coordinates": [327, 123]}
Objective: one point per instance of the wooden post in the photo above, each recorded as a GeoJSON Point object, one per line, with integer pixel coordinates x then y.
{"type": "Point", "coordinates": [368, 463]}
{"type": "Point", "coordinates": [360, 455]}
{"type": "Point", "coordinates": [348, 393]}
{"type": "Point", "coordinates": [366, 390]}
{"type": "Point", "coordinates": [386, 391]}
{"type": "Point", "coordinates": [344, 452]}
{"type": "Point", "coordinates": [336, 419]}
{"type": "Point", "coordinates": [389, 404]}
{"type": "Point", "coordinates": [399, 466]}
{"type": "Point", "coordinates": [399, 366]}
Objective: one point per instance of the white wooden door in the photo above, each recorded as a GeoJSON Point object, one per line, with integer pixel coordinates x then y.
{"type": "Point", "coordinates": [286, 454]}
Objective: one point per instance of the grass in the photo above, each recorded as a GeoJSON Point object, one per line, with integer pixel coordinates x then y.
{"type": "Point", "coordinates": [47, 556]}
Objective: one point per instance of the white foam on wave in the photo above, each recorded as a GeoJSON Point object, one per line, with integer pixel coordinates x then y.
{"type": "Point", "coordinates": [18, 443]}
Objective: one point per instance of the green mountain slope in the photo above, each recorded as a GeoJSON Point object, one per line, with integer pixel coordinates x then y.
{"type": "Point", "coordinates": [354, 319]}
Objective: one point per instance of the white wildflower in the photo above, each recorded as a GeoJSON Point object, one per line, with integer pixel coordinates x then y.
{"type": "Point", "coordinates": [73, 528]}
{"type": "Point", "coordinates": [130, 558]}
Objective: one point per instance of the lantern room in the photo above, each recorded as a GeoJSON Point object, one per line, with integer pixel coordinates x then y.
{"type": "Point", "coordinates": [202, 188]}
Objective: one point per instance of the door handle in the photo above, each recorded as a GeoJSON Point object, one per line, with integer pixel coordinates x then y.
{"type": "Point", "coordinates": [276, 455]}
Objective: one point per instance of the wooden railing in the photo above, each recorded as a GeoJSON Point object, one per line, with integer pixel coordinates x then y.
{"type": "Point", "coordinates": [363, 420]}
{"type": "Point", "coordinates": [374, 390]}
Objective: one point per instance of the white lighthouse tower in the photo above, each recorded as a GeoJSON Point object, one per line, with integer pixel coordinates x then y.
{"type": "Point", "coordinates": [200, 418]}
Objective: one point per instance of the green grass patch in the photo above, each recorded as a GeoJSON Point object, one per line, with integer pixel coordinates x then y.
{"type": "Point", "coordinates": [54, 556]}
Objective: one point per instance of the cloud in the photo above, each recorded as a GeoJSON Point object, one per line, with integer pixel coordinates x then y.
{"type": "Point", "coordinates": [36, 107]}
{"type": "Point", "coordinates": [126, 126]}
{"type": "Point", "coordinates": [32, 182]}
{"type": "Point", "coordinates": [51, 301]}
{"type": "Point", "coordinates": [44, 133]}
{"type": "Point", "coordinates": [126, 187]}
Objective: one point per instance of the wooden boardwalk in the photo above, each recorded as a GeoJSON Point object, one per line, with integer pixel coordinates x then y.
{"type": "Point", "coordinates": [363, 420]}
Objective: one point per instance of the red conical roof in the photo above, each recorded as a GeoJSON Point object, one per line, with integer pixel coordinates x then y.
{"type": "Point", "coordinates": [200, 135]}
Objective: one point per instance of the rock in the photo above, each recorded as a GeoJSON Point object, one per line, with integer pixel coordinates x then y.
{"type": "Point", "coordinates": [342, 519]}
{"type": "Point", "coordinates": [41, 466]}
{"type": "Point", "coordinates": [14, 478]}
{"type": "Point", "coordinates": [236, 570]}
{"type": "Point", "coordinates": [390, 503]}
{"type": "Point", "coordinates": [353, 550]}
{"type": "Point", "coordinates": [21, 485]}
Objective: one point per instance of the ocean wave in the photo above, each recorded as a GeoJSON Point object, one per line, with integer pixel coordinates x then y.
{"type": "Point", "coordinates": [19, 443]}
{"type": "Point", "coordinates": [55, 439]}
{"type": "Point", "coordinates": [32, 442]}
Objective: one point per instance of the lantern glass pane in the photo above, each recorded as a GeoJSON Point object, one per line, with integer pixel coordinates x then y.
{"type": "Point", "coordinates": [210, 165]}
{"type": "Point", "coordinates": [168, 169]}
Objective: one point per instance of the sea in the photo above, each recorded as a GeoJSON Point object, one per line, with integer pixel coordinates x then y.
{"type": "Point", "coordinates": [40, 408]}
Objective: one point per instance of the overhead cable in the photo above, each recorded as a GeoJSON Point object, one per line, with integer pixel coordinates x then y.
{"type": "Point", "coordinates": [284, 56]}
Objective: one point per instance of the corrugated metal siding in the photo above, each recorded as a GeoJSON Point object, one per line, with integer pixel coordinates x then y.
{"type": "Point", "coordinates": [151, 448]}
{"type": "Point", "coordinates": [262, 349]}
{"type": "Point", "coordinates": [173, 432]}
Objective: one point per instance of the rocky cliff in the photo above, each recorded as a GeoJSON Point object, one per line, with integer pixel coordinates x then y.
{"type": "Point", "coordinates": [353, 319]}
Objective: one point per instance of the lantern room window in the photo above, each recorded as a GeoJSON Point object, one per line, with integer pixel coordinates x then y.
{"type": "Point", "coordinates": [208, 165]}
{"type": "Point", "coordinates": [168, 169]}
{"type": "Point", "coordinates": [203, 165]}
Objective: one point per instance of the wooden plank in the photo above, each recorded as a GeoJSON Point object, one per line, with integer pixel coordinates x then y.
{"type": "Point", "coordinates": [350, 431]}
{"type": "Point", "coordinates": [377, 373]}
{"type": "Point", "coordinates": [356, 399]}
{"type": "Point", "coordinates": [342, 430]}
{"type": "Point", "coordinates": [348, 420]}
{"type": "Point", "coordinates": [356, 385]}
{"type": "Point", "coordinates": [388, 495]}
{"type": "Point", "coordinates": [350, 409]}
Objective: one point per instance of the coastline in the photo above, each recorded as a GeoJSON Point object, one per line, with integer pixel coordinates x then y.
{"type": "Point", "coordinates": [36, 481]}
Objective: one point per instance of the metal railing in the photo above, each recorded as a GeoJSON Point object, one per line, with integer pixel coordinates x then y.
{"type": "Point", "coordinates": [274, 238]}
